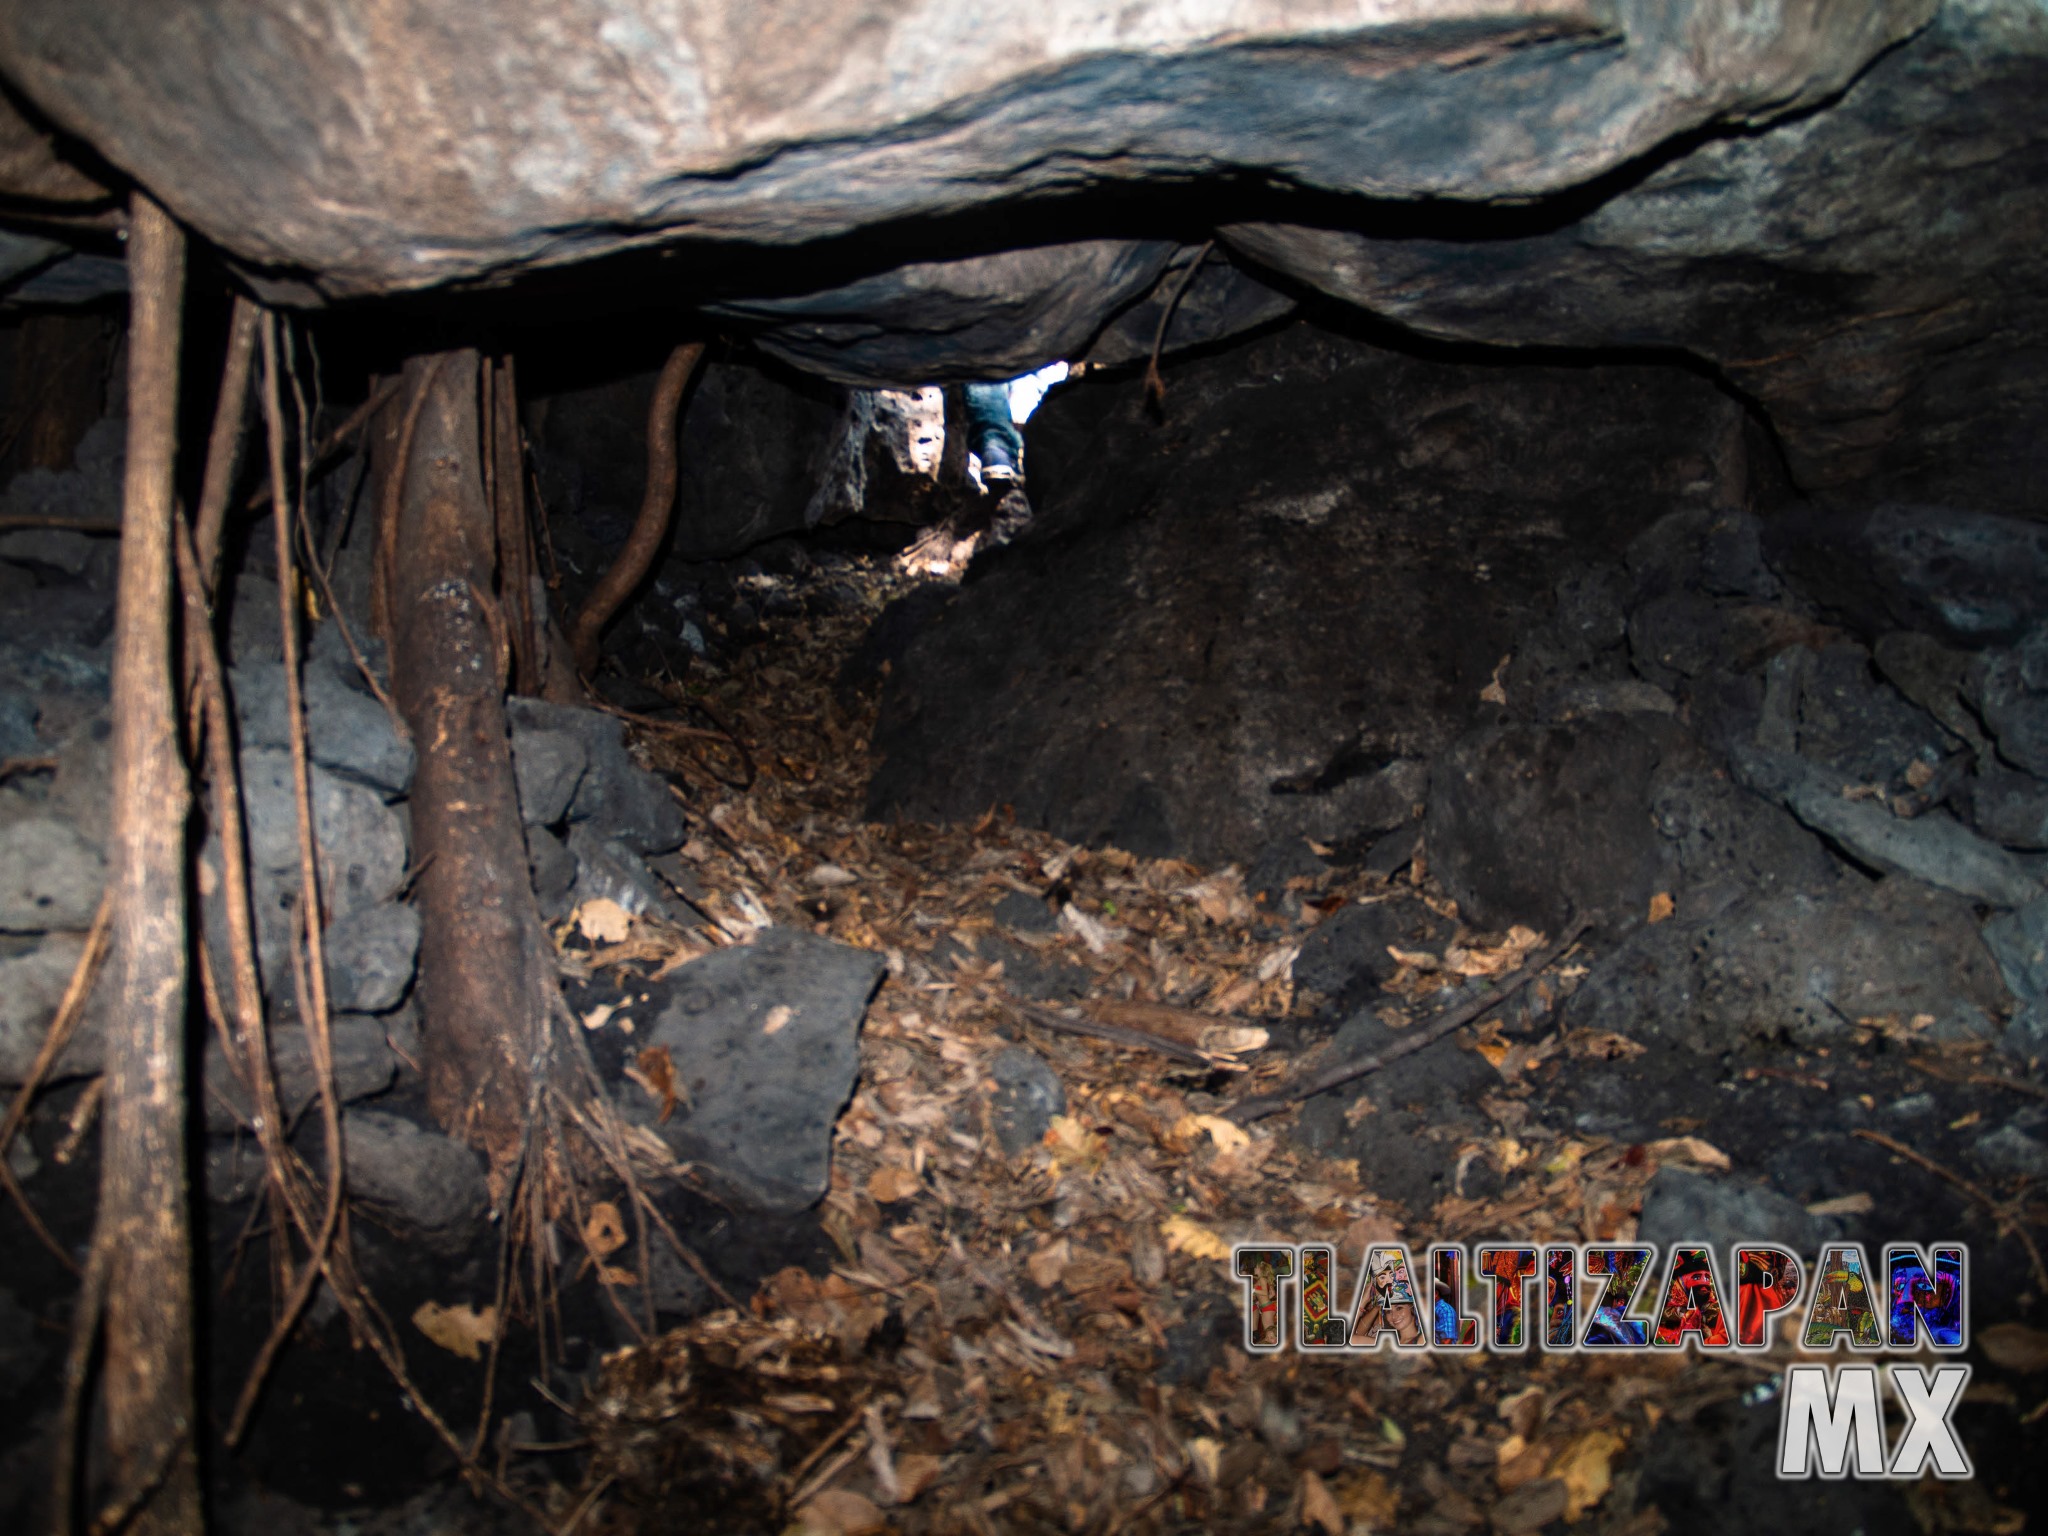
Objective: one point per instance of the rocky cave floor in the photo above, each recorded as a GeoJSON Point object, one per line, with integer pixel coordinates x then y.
{"type": "Point", "coordinates": [1011, 1309]}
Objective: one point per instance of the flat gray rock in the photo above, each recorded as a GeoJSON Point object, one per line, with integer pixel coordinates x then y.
{"type": "Point", "coordinates": [347, 731]}
{"type": "Point", "coordinates": [548, 765]}
{"type": "Point", "coordinates": [1028, 1094]}
{"type": "Point", "coordinates": [2018, 941]}
{"type": "Point", "coordinates": [371, 956]}
{"type": "Point", "coordinates": [765, 1040]}
{"type": "Point", "coordinates": [1935, 847]}
{"type": "Point", "coordinates": [1681, 1206]}
{"type": "Point", "coordinates": [417, 1179]}
{"type": "Point", "coordinates": [363, 1065]}
{"type": "Point", "coordinates": [51, 876]}
{"type": "Point", "coordinates": [622, 800]}
{"type": "Point", "coordinates": [362, 842]}
{"type": "Point", "coordinates": [32, 982]}
{"type": "Point", "coordinates": [2010, 1152]}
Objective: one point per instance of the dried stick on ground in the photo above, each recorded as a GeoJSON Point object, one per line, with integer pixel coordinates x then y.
{"type": "Point", "coordinates": [651, 527]}
{"type": "Point", "coordinates": [1115, 1034]}
{"type": "Point", "coordinates": [224, 445]}
{"type": "Point", "coordinates": [1448, 1022]}
{"type": "Point", "coordinates": [477, 979]}
{"type": "Point", "coordinates": [142, 1231]}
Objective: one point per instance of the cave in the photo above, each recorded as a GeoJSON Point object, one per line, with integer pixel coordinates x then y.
{"type": "Point", "coordinates": [830, 769]}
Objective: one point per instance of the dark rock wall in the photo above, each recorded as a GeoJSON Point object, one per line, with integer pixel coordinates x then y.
{"type": "Point", "coordinates": [1256, 622]}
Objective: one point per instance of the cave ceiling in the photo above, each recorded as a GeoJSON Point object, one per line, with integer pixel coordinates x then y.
{"type": "Point", "coordinates": [1835, 206]}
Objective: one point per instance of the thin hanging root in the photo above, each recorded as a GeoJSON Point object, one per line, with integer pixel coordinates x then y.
{"type": "Point", "coordinates": [85, 1332]}
{"type": "Point", "coordinates": [656, 505]}
{"type": "Point", "coordinates": [520, 1177]}
{"type": "Point", "coordinates": [348, 638]}
{"type": "Point", "coordinates": [252, 1041]}
{"type": "Point", "coordinates": [616, 1159]}
{"type": "Point", "coordinates": [310, 973]}
{"type": "Point", "coordinates": [69, 1011]}
{"type": "Point", "coordinates": [224, 446]}
{"type": "Point", "coordinates": [1155, 383]}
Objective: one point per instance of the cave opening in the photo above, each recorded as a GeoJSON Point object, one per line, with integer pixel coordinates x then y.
{"type": "Point", "coordinates": [858, 784]}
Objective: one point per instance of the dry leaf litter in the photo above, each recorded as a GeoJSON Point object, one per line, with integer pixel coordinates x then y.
{"type": "Point", "coordinates": [992, 1350]}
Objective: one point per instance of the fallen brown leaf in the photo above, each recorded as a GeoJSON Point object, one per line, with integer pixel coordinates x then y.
{"type": "Point", "coordinates": [891, 1183]}
{"type": "Point", "coordinates": [460, 1330]}
{"type": "Point", "coordinates": [1185, 1235]}
{"type": "Point", "coordinates": [2015, 1347]}
{"type": "Point", "coordinates": [1319, 1506]}
{"type": "Point", "coordinates": [1586, 1468]}
{"type": "Point", "coordinates": [655, 1071]}
{"type": "Point", "coordinates": [1689, 1149]}
{"type": "Point", "coordinates": [604, 1231]}
{"type": "Point", "coordinates": [603, 921]}
{"type": "Point", "coordinates": [841, 1512]}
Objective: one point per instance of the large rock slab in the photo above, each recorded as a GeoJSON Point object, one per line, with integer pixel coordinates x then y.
{"type": "Point", "coordinates": [1871, 274]}
{"type": "Point", "coordinates": [1799, 965]}
{"type": "Point", "coordinates": [1540, 824]}
{"type": "Point", "coordinates": [1255, 624]}
{"type": "Point", "coordinates": [765, 1042]}
{"type": "Point", "coordinates": [397, 148]}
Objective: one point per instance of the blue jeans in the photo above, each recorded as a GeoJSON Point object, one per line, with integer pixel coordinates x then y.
{"type": "Point", "coordinates": [988, 416]}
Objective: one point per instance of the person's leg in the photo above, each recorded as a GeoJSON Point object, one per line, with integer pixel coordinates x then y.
{"type": "Point", "coordinates": [991, 436]}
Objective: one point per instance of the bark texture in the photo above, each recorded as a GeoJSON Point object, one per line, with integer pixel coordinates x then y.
{"type": "Point", "coordinates": [478, 955]}
{"type": "Point", "coordinates": [142, 1217]}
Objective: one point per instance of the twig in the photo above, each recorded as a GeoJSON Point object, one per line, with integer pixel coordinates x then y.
{"type": "Point", "coordinates": [1139, 1511]}
{"type": "Point", "coordinates": [69, 1011]}
{"type": "Point", "coordinates": [1115, 1034]}
{"type": "Point", "coordinates": [2001, 1213]}
{"type": "Point", "coordinates": [77, 524]}
{"type": "Point", "coordinates": [210, 682]}
{"type": "Point", "coordinates": [1155, 385]}
{"type": "Point", "coordinates": [589, 1502]}
{"type": "Point", "coordinates": [330, 444]}
{"type": "Point", "coordinates": [676, 730]}
{"type": "Point", "coordinates": [1979, 1079]}
{"type": "Point", "coordinates": [1447, 1022]}
{"type": "Point", "coordinates": [520, 1175]}
{"type": "Point", "coordinates": [29, 1214]}
{"type": "Point", "coordinates": [348, 638]}
{"type": "Point", "coordinates": [829, 1473]}
{"type": "Point", "coordinates": [385, 553]}
{"type": "Point", "coordinates": [823, 1448]}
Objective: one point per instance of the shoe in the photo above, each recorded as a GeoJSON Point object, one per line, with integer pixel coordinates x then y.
{"type": "Point", "coordinates": [999, 464]}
